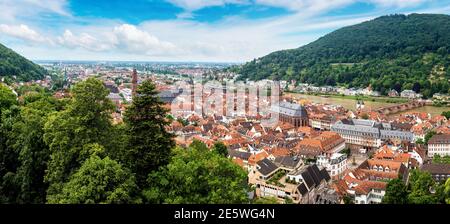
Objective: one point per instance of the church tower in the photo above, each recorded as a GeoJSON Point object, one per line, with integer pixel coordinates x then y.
{"type": "Point", "coordinates": [134, 82]}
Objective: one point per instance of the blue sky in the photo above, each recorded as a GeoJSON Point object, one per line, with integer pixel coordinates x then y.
{"type": "Point", "coordinates": [182, 30]}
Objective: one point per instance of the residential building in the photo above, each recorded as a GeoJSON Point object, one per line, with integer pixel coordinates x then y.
{"type": "Point", "coordinates": [322, 122]}
{"type": "Point", "coordinates": [326, 143]}
{"type": "Point", "coordinates": [393, 93]}
{"type": "Point", "coordinates": [302, 185]}
{"type": "Point", "coordinates": [336, 164]}
{"type": "Point", "coordinates": [439, 145]}
{"type": "Point", "coordinates": [410, 94]}
{"type": "Point", "coordinates": [367, 183]}
{"type": "Point", "coordinates": [368, 134]}
{"type": "Point", "coordinates": [370, 192]}
{"type": "Point", "coordinates": [439, 172]}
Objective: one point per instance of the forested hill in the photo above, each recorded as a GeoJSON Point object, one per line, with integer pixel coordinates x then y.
{"type": "Point", "coordinates": [13, 64]}
{"type": "Point", "coordinates": [397, 51]}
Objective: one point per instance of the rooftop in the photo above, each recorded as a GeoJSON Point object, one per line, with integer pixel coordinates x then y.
{"type": "Point", "coordinates": [437, 168]}
{"type": "Point", "coordinates": [266, 167]}
{"type": "Point", "coordinates": [290, 109]}
{"type": "Point", "coordinates": [440, 139]}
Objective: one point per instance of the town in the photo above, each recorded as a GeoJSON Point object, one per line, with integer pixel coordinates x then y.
{"type": "Point", "coordinates": [317, 153]}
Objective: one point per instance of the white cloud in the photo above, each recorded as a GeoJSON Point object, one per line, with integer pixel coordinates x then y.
{"type": "Point", "coordinates": [192, 5]}
{"type": "Point", "coordinates": [233, 39]}
{"type": "Point", "coordinates": [305, 5]}
{"type": "Point", "coordinates": [229, 39]}
{"type": "Point", "coordinates": [22, 32]}
{"type": "Point", "coordinates": [131, 39]}
{"type": "Point", "coordinates": [397, 3]}
{"type": "Point", "coordinates": [55, 6]}
{"type": "Point", "coordinates": [84, 40]}
{"type": "Point", "coordinates": [309, 6]}
{"type": "Point", "coordinates": [12, 10]}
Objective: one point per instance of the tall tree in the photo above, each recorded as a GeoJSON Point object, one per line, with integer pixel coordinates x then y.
{"type": "Point", "coordinates": [149, 144]}
{"type": "Point", "coordinates": [199, 145]}
{"type": "Point", "coordinates": [98, 181]}
{"type": "Point", "coordinates": [420, 186]}
{"type": "Point", "coordinates": [27, 139]}
{"type": "Point", "coordinates": [8, 156]}
{"type": "Point", "coordinates": [86, 120]}
{"type": "Point", "coordinates": [428, 136]}
{"type": "Point", "coordinates": [446, 114]}
{"type": "Point", "coordinates": [7, 98]}
{"type": "Point", "coordinates": [220, 149]}
{"type": "Point", "coordinates": [447, 191]}
{"type": "Point", "coordinates": [396, 192]}
{"type": "Point", "coordinates": [198, 176]}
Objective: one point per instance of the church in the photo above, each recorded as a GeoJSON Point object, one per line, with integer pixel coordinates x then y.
{"type": "Point", "coordinates": [294, 114]}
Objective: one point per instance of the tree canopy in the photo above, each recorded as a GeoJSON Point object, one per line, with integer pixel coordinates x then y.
{"type": "Point", "coordinates": [98, 181]}
{"type": "Point", "coordinates": [396, 192]}
{"type": "Point", "coordinates": [85, 120]}
{"type": "Point", "coordinates": [198, 176]}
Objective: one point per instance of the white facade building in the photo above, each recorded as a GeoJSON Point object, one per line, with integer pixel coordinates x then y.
{"type": "Point", "coordinates": [335, 165]}
{"type": "Point", "coordinates": [373, 197]}
{"type": "Point", "coordinates": [439, 145]}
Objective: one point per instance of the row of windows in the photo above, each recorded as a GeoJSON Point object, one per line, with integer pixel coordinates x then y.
{"type": "Point", "coordinates": [439, 148]}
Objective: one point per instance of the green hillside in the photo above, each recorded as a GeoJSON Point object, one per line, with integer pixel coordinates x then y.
{"type": "Point", "coordinates": [397, 51]}
{"type": "Point", "coordinates": [13, 64]}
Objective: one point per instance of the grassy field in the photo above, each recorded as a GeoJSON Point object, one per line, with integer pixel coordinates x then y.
{"type": "Point", "coordinates": [383, 99]}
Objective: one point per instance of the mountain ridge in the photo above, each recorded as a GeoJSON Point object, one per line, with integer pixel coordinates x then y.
{"type": "Point", "coordinates": [13, 64]}
{"type": "Point", "coordinates": [389, 52]}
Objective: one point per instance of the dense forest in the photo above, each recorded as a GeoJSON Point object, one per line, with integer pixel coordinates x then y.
{"type": "Point", "coordinates": [391, 52]}
{"type": "Point", "coordinates": [13, 64]}
{"type": "Point", "coordinates": [69, 151]}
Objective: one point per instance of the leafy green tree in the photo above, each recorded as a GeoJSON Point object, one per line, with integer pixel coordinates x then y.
{"type": "Point", "coordinates": [198, 176]}
{"type": "Point", "coordinates": [420, 141]}
{"type": "Point", "coordinates": [220, 149]}
{"type": "Point", "coordinates": [446, 114]}
{"type": "Point", "coordinates": [443, 160]}
{"type": "Point", "coordinates": [396, 192]}
{"type": "Point", "coordinates": [199, 145]}
{"type": "Point", "coordinates": [27, 139]}
{"type": "Point", "coordinates": [149, 144]}
{"type": "Point", "coordinates": [182, 121]}
{"type": "Point", "coordinates": [85, 120]}
{"type": "Point", "coordinates": [420, 185]}
{"type": "Point", "coordinates": [428, 136]}
{"type": "Point", "coordinates": [98, 181]}
{"type": "Point", "coordinates": [348, 200]}
{"type": "Point", "coordinates": [447, 191]}
{"type": "Point", "coordinates": [8, 156]}
{"type": "Point", "coordinates": [288, 200]}
{"type": "Point", "coordinates": [7, 98]}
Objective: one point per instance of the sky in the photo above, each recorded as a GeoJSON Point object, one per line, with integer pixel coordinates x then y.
{"type": "Point", "coordinates": [182, 30]}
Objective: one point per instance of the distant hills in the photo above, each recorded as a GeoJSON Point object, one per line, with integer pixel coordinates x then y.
{"type": "Point", "coordinates": [390, 52]}
{"type": "Point", "coordinates": [13, 64]}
